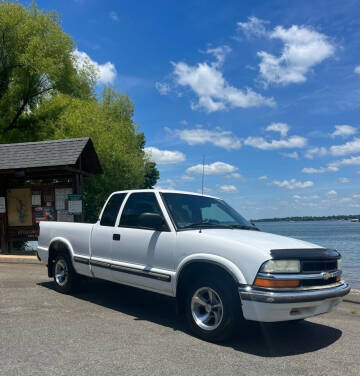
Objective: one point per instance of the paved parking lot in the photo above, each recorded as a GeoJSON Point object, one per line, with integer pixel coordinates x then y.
{"type": "Point", "coordinates": [107, 329]}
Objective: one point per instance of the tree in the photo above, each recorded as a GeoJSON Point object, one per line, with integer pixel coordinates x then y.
{"type": "Point", "coordinates": [151, 175]}
{"type": "Point", "coordinates": [36, 62]}
{"type": "Point", "coordinates": [118, 143]}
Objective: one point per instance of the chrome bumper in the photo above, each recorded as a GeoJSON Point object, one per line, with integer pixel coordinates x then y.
{"type": "Point", "coordinates": [309, 295]}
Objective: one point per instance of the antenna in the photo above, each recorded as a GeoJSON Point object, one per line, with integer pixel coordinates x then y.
{"type": "Point", "coordinates": [203, 174]}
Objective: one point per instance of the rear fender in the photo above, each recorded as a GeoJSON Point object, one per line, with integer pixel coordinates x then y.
{"type": "Point", "coordinates": [65, 245]}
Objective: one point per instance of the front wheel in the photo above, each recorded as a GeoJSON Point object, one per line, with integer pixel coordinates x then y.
{"type": "Point", "coordinates": [213, 309]}
{"type": "Point", "coordinates": [64, 274]}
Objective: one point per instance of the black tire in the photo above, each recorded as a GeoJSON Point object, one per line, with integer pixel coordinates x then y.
{"type": "Point", "coordinates": [63, 262]}
{"type": "Point", "coordinates": [231, 312]}
{"type": "Point", "coordinates": [297, 321]}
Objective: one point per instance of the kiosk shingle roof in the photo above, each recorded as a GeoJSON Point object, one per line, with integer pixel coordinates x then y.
{"type": "Point", "coordinates": [49, 154]}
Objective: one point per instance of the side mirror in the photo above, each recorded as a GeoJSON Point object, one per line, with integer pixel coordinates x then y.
{"type": "Point", "coordinates": [151, 220]}
{"type": "Point", "coordinates": [254, 226]}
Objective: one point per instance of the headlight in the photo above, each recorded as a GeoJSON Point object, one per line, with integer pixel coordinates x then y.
{"type": "Point", "coordinates": [339, 263]}
{"type": "Point", "coordinates": [281, 266]}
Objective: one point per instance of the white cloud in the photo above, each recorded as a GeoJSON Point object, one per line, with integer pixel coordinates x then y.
{"type": "Point", "coordinates": [303, 49]}
{"type": "Point", "coordinates": [114, 16]}
{"type": "Point", "coordinates": [162, 87]}
{"type": "Point", "coordinates": [343, 180]}
{"type": "Point", "coordinates": [293, 155]}
{"type": "Point", "coordinates": [357, 69]}
{"type": "Point", "coordinates": [166, 184]}
{"type": "Point", "coordinates": [216, 168]}
{"type": "Point", "coordinates": [187, 178]}
{"type": "Point", "coordinates": [213, 91]}
{"type": "Point", "coordinates": [261, 143]}
{"type": "Point", "coordinates": [350, 147]}
{"type": "Point", "coordinates": [292, 184]}
{"type": "Point", "coordinates": [321, 170]}
{"type": "Point", "coordinates": [333, 166]}
{"type": "Point", "coordinates": [235, 175]}
{"type": "Point", "coordinates": [106, 73]}
{"type": "Point", "coordinates": [165, 156]}
{"type": "Point", "coordinates": [343, 131]}
{"type": "Point", "coordinates": [352, 161]}
{"type": "Point", "coordinates": [346, 199]}
{"type": "Point", "coordinates": [299, 197]}
{"type": "Point", "coordinates": [317, 151]}
{"type": "Point", "coordinates": [264, 177]}
{"type": "Point", "coordinates": [282, 128]}
{"type": "Point", "coordinates": [228, 188]}
{"type": "Point", "coordinates": [197, 136]}
{"type": "Point", "coordinates": [219, 53]}
{"type": "Point", "coordinates": [253, 27]}
{"type": "Point", "coordinates": [332, 193]}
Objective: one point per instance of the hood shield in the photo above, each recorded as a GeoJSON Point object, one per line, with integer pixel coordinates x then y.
{"type": "Point", "coordinates": [309, 253]}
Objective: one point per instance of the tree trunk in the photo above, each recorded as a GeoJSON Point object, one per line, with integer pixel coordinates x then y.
{"type": "Point", "coordinates": [16, 117]}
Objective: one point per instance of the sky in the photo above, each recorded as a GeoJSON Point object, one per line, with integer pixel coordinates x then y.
{"type": "Point", "coordinates": [266, 92]}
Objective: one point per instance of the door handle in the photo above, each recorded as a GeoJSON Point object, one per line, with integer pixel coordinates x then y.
{"type": "Point", "coordinates": [116, 236]}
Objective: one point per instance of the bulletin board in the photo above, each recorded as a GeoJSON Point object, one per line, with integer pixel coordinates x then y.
{"type": "Point", "coordinates": [19, 207]}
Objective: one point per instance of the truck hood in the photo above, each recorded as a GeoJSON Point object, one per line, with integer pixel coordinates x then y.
{"type": "Point", "coordinates": [262, 240]}
{"type": "Point", "coordinates": [247, 239]}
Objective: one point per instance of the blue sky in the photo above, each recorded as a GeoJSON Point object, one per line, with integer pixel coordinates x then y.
{"type": "Point", "coordinates": [267, 91]}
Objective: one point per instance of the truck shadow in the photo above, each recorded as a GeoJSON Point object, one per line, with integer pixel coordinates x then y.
{"type": "Point", "coordinates": [261, 339]}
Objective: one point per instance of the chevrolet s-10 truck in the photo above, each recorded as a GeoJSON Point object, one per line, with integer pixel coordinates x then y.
{"type": "Point", "coordinates": [219, 267]}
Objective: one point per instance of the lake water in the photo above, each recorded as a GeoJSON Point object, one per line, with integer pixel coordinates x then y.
{"type": "Point", "coordinates": [343, 236]}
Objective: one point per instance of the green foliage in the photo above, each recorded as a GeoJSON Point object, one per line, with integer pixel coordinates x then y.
{"type": "Point", "coordinates": [151, 175]}
{"type": "Point", "coordinates": [36, 61]}
{"type": "Point", "coordinates": [119, 147]}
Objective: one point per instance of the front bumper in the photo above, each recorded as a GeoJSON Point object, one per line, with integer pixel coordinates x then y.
{"type": "Point", "coordinates": [263, 305]}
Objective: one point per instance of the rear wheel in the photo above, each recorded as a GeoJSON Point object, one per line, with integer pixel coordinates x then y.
{"type": "Point", "coordinates": [212, 309]}
{"type": "Point", "coordinates": [64, 274]}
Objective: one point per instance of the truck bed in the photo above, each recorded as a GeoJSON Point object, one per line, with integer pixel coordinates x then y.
{"type": "Point", "coordinates": [76, 235]}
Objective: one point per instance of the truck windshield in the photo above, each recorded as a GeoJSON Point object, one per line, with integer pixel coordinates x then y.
{"type": "Point", "coordinates": [191, 211]}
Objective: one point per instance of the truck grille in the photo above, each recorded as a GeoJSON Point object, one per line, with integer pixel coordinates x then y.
{"type": "Point", "coordinates": [317, 282]}
{"type": "Point", "coordinates": [318, 266]}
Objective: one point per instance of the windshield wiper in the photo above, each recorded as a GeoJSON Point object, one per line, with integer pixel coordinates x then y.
{"type": "Point", "coordinates": [204, 224]}
{"type": "Point", "coordinates": [244, 227]}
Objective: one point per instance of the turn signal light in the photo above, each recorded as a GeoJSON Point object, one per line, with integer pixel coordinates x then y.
{"type": "Point", "coordinates": [338, 278]}
{"type": "Point", "coordinates": [261, 282]}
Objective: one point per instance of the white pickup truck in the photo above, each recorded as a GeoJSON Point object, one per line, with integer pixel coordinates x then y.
{"type": "Point", "coordinates": [199, 250]}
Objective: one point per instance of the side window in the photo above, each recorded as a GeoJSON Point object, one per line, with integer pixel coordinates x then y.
{"type": "Point", "coordinates": [112, 209]}
{"type": "Point", "coordinates": [138, 203]}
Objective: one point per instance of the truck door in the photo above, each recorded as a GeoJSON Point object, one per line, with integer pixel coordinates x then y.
{"type": "Point", "coordinates": [102, 236]}
{"type": "Point", "coordinates": [144, 256]}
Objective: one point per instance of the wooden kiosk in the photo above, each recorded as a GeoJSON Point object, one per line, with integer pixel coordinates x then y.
{"type": "Point", "coordinates": [42, 181]}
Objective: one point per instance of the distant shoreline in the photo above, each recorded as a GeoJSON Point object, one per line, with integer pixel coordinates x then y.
{"type": "Point", "coordinates": [310, 218]}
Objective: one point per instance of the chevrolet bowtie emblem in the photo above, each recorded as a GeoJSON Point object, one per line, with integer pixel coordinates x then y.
{"type": "Point", "coordinates": [328, 275]}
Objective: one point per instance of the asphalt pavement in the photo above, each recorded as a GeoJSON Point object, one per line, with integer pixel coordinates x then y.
{"type": "Point", "coordinates": [108, 329]}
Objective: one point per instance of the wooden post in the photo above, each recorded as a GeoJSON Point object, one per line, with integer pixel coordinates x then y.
{"type": "Point", "coordinates": [3, 217]}
{"type": "Point", "coordinates": [76, 184]}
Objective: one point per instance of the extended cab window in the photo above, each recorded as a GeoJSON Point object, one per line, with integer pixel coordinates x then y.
{"type": "Point", "coordinates": [137, 204]}
{"type": "Point", "coordinates": [112, 209]}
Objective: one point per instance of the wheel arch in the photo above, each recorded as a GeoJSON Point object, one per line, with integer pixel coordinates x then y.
{"type": "Point", "coordinates": [204, 263]}
{"type": "Point", "coordinates": [57, 245]}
